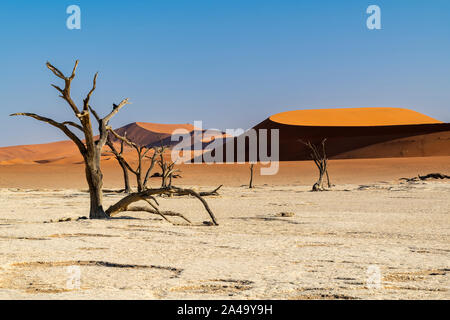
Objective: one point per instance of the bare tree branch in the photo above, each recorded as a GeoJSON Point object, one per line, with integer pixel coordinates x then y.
{"type": "Point", "coordinates": [123, 204]}
{"type": "Point", "coordinates": [99, 120]}
{"type": "Point", "coordinates": [116, 109]}
{"type": "Point", "coordinates": [124, 139]}
{"type": "Point", "coordinates": [73, 71]}
{"type": "Point", "coordinates": [73, 124]}
{"type": "Point", "coordinates": [60, 126]}
{"type": "Point", "coordinates": [65, 93]}
{"type": "Point", "coordinates": [56, 71]}
{"type": "Point", "coordinates": [88, 97]}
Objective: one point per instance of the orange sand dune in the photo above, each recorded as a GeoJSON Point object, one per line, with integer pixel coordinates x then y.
{"type": "Point", "coordinates": [164, 128]}
{"type": "Point", "coordinates": [15, 162]}
{"type": "Point", "coordinates": [39, 152]}
{"type": "Point", "coordinates": [66, 152]}
{"type": "Point", "coordinates": [352, 133]}
{"type": "Point", "coordinates": [352, 117]}
{"type": "Point", "coordinates": [355, 133]}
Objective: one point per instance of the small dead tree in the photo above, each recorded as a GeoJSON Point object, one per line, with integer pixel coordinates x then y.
{"type": "Point", "coordinates": [121, 160]}
{"type": "Point", "coordinates": [250, 184]}
{"type": "Point", "coordinates": [167, 171]}
{"type": "Point", "coordinates": [90, 148]}
{"type": "Point", "coordinates": [141, 151]}
{"type": "Point", "coordinates": [319, 156]}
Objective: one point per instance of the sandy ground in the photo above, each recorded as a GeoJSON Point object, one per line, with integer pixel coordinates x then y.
{"type": "Point", "coordinates": [70, 175]}
{"type": "Point", "coordinates": [331, 248]}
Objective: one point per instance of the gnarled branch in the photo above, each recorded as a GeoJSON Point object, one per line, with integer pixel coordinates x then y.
{"type": "Point", "coordinates": [88, 97]}
{"type": "Point", "coordinates": [116, 109]}
{"type": "Point", "coordinates": [123, 204]}
{"type": "Point", "coordinates": [61, 126]}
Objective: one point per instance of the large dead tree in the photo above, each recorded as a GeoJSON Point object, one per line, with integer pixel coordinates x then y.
{"type": "Point", "coordinates": [319, 157]}
{"type": "Point", "coordinates": [90, 148]}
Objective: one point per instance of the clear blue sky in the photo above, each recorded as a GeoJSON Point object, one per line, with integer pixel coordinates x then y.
{"type": "Point", "coordinates": [230, 63]}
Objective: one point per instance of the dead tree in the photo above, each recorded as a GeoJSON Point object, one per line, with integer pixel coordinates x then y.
{"type": "Point", "coordinates": [90, 148]}
{"type": "Point", "coordinates": [121, 160]}
{"type": "Point", "coordinates": [168, 172]}
{"type": "Point", "coordinates": [211, 193]}
{"type": "Point", "coordinates": [148, 195]}
{"type": "Point", "coordinates": [124, 204]}
{"type": "Point", "coordinates": [426, 177]}
{"type": "Point", "coordinates": [141, 151]}
{"type": "Point", "coordinates": [319, 156]}
{"type": "Point", "coordinates": [250, 184]}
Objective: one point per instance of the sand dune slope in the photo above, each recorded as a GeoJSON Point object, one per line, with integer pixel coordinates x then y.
{"type": "Point", "coordinates": [142, 133]}
{"type": "Point", "coordinates": [355, 133]}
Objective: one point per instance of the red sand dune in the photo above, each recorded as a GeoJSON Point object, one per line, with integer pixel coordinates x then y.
{"type": "Point", "coordinates": [156, 134]}
{"type": "Point", "coordinates": [148, 134]}
{"type": "Point", "coordinates": [354, 133]}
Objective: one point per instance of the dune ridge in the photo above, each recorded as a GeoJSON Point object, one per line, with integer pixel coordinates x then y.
{"type": "Point", "coordinates": [352, 117]}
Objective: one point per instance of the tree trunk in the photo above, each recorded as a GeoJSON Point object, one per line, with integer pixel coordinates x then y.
{"type": "Point", "coordinates": [163, 177]}
{"type": "Point", "coordinates": [140, 187]}
{"type": "Point", "coordinates": [126, 178]}
{"type": "Point", "coordinates": [94, 179]}
{"type": "Point", "coordinates": [318, 186]}
{"type": "Point", "coordinates": [328, 178]}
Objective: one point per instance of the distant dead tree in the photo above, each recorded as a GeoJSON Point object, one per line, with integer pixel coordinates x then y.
{"type": "Point", "coordinates": [167, 171]}
{"type": "Point", "coordinates": [91, 149]}
{"type": "Point", "coordinates": [426, 177]}
{"type": "Point", "coordinates": [121, 160]}
{"type": "Point", "coordinates": [250, 184]}
{"type": "Point", "coordinates": [319, 156]}
{"type": "Point", "coordinates": [141, 151]}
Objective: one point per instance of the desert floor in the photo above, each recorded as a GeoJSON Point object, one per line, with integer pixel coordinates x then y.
{"type": "Point", "coordinates": [331, 248]}
{"type": "Point", "coordinates": [69, 174]}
